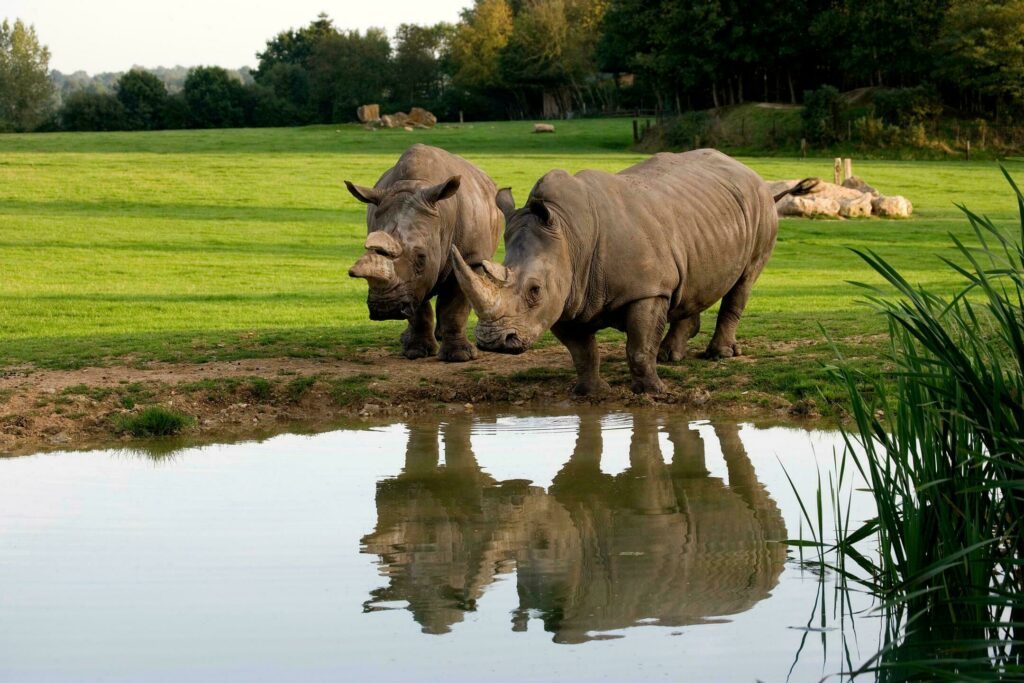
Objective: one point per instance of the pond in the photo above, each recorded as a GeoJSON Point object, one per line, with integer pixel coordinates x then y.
{"type": "Point", "coordinates": [577, 546]}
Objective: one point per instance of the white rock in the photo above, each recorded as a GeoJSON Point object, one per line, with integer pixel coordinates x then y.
{"type": "Point", "coordinates": [892, 207]}
{"type": "Point", "coordinates": [810, 205]}
{"type": "Point", "coordinates": [856, 207]}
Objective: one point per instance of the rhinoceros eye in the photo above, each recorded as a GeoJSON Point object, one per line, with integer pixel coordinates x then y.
{"type": "Point", "coordinates": [421, 261]}
{"type": "Point", "coordinates": [533, 295]}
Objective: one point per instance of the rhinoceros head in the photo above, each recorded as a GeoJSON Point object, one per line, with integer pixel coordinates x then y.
{"type": "Point", "coordinates": [405, 247]}
{"type": "Point", "coordinates": [517, 302]}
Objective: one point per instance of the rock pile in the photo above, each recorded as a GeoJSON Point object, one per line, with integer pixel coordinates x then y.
{"type": "Point", "coordinates": [416, 118]}
{"type": "Point", "coordinates": [853, 199]}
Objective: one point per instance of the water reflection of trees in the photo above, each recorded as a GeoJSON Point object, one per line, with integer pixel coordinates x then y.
{"type": "Point", "coordinates": [660, 542]}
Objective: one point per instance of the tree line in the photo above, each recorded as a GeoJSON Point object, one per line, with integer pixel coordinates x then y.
{"type": "Point", "coordinates": [552, 58]}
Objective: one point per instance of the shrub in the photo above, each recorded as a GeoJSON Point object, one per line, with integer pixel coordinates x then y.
{"type": "Point", "coordinates": [907, 106]}
{"type": "Point", "coordinates": [693, 128]}
{"type": "Point", "coordinates": [152, 421]}
{"type": "Point", "coordinates": [823, 115]}
{"type": "Point", "coordinates": [86, 110]}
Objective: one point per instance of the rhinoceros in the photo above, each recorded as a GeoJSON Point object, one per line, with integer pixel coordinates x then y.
{"type": "Point", "coordinates": [427, 203]}
{"type": "Point", "coordinates": [658, 242]}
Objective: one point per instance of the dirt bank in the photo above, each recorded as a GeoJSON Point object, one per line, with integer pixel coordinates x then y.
{"type": "Point", "coordinates": [71, 409]}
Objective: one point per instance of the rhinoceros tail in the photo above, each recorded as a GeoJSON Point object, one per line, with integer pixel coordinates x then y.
{"type": "Point", "coordinates": [805, 186]}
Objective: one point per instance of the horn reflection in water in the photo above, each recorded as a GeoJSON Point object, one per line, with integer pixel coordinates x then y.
{"type": "Point", "coordinates": [658, 543]}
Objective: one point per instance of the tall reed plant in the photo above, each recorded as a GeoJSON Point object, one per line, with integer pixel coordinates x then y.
{"type": "Point", "coordinates": [940, 443]}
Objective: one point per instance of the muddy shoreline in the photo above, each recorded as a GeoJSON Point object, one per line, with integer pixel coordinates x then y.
{"type": "Point", "coordinates": [47, 410]}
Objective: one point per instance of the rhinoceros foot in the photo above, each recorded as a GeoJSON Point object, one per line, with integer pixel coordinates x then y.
{"type": "Point", "coordinates": [593, 387]}
{"type": "Point", "coordinates": [456, 351]}
{"type": "Point", "coordinates": [648, 385]}
{"type": "Point", "coordinates": [414, 347]}
{"type": "Point", "coordinates": [669, 354]}
{"type": "Point", "coordinates": [716, 352]}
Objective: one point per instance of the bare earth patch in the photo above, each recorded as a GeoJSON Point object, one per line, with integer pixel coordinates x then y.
{"type": "Point", "coordinates": [72, 409]}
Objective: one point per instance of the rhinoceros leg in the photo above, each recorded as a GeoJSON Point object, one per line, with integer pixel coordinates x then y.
{"type": "Point", "coordinates": [418, 338]}
{"type": "Point", "coordinates": [645, 323]}
{"type": "Point", "coordinates": [723, 341]}
{"type": "Point", "coordinates": [673, 346]}
{"type": "Point", "coordinates": [452, 313]}
{"type": "Point", "coordinates": [586, 358]}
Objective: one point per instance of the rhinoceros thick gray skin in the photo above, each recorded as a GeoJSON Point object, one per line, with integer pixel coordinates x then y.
{"type": "Point", "coordinates": [658, 242]}
{"type": "Point", "coordinates": [427, 203]}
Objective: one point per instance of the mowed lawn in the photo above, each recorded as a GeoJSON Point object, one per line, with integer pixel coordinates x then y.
{"type": "Point", "coordinates": [197, 245]}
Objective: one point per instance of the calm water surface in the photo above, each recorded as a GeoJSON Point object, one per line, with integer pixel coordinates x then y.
{"type": "Point", "coordinates": [588, 546]}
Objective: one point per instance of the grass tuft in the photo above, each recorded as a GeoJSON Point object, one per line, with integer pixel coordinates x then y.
{"type": "Point", "coordinates": [152, 421]}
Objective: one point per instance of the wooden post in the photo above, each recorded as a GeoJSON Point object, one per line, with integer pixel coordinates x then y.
{"type": "Point", "coordinates": [803, 147]}
{"type": "Point", "coordinates": [460, 117]}
{"type": "Point", "coordinates": [847, 169]}
{"type": "Point", "coordinates": [837, 170]}
{"type": "Point", "coordinates": [968, 149]}
{"type": "Point", "coordinates": [636, 131]}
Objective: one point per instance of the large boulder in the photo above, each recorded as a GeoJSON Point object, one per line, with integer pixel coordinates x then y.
{"type": "Point", "coordinates": [857, 183]}
{"type": "Point", "coordinates": [892, 207]}
{"type": "Point", "coordinates": [397, 120]}
{"type": "Point", "coordinates": [808, 206]}
{"type": "Point", "coordinates": [368, 113]}
{"type": "Point", "coordinates": [856, 207]}
{"type": "Point", "coordinates": [421, 117]}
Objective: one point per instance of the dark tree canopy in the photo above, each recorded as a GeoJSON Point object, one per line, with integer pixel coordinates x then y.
{"type": "Point", "coordinates": [144, 97]}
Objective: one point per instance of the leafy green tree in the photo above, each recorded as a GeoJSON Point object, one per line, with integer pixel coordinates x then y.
{"type": "Point", "coordinates": [419, 65]}
{"type": "Point", "coordinates": [347, 70]}
{"type": "Point", "coordinates": [984, 48]}
{"type": "Point", "coordinates": [477, 44]}
{"type": "Point", "coordinates": [215, 99]}
{"type": "Point", "coordinates": [26, 92]}
{"type": "Point", "coordinates": [144, 97]}
{"type": "Point", "coordinates": [293, 46]}
{"type": "Point", "coordinates": [88, 110]}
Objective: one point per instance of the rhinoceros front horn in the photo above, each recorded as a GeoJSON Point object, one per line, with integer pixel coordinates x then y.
{"type": "Point", "coordinates": [482, 294]}
{"type": "Point", "coordinates": [376, 265]}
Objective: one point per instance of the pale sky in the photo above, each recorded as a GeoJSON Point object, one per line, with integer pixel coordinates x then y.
{"type": "Point", "coordinates": [113, 35]}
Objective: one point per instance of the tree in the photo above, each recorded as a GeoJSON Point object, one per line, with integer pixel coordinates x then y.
{"type": "Point", "coordinates": [419, 77]}
{"type": "Point", "coordinates": [215, 99]}
{"type": "Point", "coordinates": [89, 110]}
{"type": "Point", "coordinates": [984, 45]}
{"type": "Point", "coordinates": [144, 97]}
{"type": "Point", "coordinates": [26, 92]}
{"type": "Point", "coordinates": [347, 70]}
{"type": "Point", "coordinates": [293, 46]}
{"type": "Point", "coordinates": [478, 42]}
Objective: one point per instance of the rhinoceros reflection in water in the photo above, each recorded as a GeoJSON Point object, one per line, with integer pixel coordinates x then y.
{"type": "Point", "coordinates": [662, 543]}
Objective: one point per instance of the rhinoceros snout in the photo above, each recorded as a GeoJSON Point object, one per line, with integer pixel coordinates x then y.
{"type": "Point", "coordinates": [509, 342]}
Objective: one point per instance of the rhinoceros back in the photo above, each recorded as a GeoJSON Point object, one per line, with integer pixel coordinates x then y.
{"type": "Point", "coordinates": [682, 226]}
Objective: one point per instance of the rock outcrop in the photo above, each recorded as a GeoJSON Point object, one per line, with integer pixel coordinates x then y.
{"type": "Point", "coordinates": [853, 199]}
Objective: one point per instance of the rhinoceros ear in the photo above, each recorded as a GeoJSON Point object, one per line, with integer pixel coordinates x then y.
{"type": "Point", "coordinates": [367, 195]}
{"type": "Point", "coordinates": [505, 202]}
{"type": "Point", "coordinates": [539, 209]}
{"type": "Point", "coordinates": [435, 193]}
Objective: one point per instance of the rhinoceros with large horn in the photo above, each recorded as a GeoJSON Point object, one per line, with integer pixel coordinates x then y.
{"type": "Point", "coordinates": [429, 202]}
{"type": "Point", "coordinates": [656, 243]}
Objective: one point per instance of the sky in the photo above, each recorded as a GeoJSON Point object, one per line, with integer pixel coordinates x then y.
{"type": "Point", "coordinates": [114, 35]}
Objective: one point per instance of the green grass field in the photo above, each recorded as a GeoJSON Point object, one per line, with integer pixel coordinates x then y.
{"type": "Point", "coordinates": [198, 245]}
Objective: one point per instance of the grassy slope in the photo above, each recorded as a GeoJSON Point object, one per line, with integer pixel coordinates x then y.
{"type": "Point", "coordinates": [194, 245]}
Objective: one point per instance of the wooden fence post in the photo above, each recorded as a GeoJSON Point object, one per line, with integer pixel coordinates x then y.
{"type": "Point", "coordinates": [803, 147]}
{"type": "Point", "coordinates": [847, 169]}
{"type": "Point", "coordinates": [636, 131]}
{"type": "Point", "coordinates": [837, 170]}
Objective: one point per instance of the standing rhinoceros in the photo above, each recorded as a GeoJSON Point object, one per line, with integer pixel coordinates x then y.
{"type": "Point", "coordinates": [422, 207]}
{"type": "Point", "coordinates": [658, 242]}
